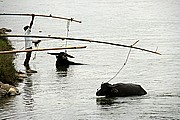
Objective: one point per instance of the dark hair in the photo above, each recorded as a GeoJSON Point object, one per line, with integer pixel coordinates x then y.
{"type": "Point", "coordinates": [26, 27]}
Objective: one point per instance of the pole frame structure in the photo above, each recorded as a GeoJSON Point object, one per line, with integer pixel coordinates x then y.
{"type": "Point", "coordinates": [39, 15]}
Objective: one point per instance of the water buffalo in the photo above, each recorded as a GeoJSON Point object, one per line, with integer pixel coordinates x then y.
{"type": "Point", "coordinates": [62, 59]}
{"type": "Point", "coordinates": [120, 90]}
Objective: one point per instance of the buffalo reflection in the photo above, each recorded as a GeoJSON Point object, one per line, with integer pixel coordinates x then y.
{"type": "Point", "coordinates": [106, 101]}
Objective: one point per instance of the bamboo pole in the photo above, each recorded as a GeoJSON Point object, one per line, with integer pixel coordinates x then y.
{"type": "Point", "coordinates": [51, 16]}
{"type": "Point", "coordinates": [42, 49]}
{"type": "Point", "coordinates": [86, 40]}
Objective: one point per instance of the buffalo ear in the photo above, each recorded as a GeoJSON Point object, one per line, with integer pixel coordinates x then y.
{"type": "Point", "coordinates": [70, 56]}
{"type": "Point", "coordinates": [109, 85]}
{"type": "Point", "coordinates": [106, 85]}
{"type": "Point", "coordinates": [114, 90]}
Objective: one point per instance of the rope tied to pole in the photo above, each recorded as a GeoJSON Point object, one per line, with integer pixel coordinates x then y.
{"type": "Point", "coordinates": [122, 65]}
{"type": "Point", "coordinates": [124, 62]}
{"type": "Point", "coordinates": [67, 30]}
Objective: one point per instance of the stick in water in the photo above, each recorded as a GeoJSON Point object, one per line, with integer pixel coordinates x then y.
{"type": "Point", "coordinates": [42, 49]}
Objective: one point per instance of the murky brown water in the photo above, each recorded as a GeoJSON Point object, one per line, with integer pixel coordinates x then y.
{"type": "Point", "coordinates": [52, 94]}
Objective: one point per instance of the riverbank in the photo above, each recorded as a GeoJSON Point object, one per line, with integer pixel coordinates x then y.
{"type": "Point", "coordinates": [7, 69]}
{"type": "Point", "coordinates": [9, 77]}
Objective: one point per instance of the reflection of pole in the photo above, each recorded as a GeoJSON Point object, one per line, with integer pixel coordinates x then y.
{"type": "Point", "coordinates": [28, 99]}
{"type": "Point", "coordinates": [85, 40]}
{"type": "Point", "coordinates": [50, 16]}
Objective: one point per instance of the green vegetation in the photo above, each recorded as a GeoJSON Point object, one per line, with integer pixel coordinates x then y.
{"type": "Point", "coordinates": [7, 69]}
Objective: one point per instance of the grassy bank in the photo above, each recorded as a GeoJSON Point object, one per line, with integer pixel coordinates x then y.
{"type": "Point", "coordinates": [7, 70]}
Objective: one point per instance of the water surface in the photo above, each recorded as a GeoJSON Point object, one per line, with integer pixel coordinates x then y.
{"type": "Point", "coordinates": [53, 94]}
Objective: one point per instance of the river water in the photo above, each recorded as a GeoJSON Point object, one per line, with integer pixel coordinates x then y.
{"type": "Point", "coordinates": [64, 95]}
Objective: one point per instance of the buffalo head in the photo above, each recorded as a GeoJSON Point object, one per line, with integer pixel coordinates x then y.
{"type": "Point", "coordinates": [106, 89]}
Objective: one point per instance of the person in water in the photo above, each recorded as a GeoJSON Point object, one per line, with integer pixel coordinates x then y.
{"type": "Point", "coordinates": [28, 45]}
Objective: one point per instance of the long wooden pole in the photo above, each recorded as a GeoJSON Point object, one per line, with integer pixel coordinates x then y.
{"type": "Point", "coordinates": [51, 16]}
{"type": "Point", "coordinates": [42, 49]}
{"type": "Point", "coordinates": [80, 39]}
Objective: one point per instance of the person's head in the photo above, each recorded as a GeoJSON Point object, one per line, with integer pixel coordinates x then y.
{"type": "Point", "coordinates": [26, 27]}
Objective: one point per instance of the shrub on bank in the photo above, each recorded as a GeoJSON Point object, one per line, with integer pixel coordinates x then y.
{"type": "Point", "coordinates": [7, 69]}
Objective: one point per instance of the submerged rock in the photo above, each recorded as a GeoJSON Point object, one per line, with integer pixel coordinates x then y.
{"type": "Point", "coordinates": [20, 76]}
{"type": "Point", "coordinates": [3, 92]}
{"type": "Point", "coordinates": [4, 30]}
{"type": "Point", "coordinates": [6, 89]}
